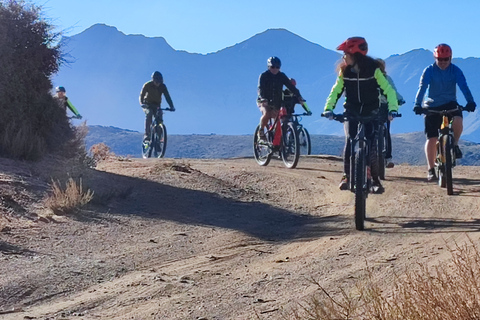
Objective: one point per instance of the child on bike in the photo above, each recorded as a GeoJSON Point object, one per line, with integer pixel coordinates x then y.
{"type": "Point", "coordinates": [151, 98]}
{"type": "Point", "coordinates": [290, 100]}
{"type": "Point", "coordinates": [441, 79]}
{"type": "Point", "coordinates": [269, 100]}
{"type": "Point", "coordinates": [384, 113]}
{"type": "Point", "coordinates": [63, 101]}
{"type": "Point", "coordinates": [359, 79]}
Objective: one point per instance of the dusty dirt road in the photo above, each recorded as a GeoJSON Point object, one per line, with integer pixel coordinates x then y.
{"type": "Point", "coordinates": [217, 239]}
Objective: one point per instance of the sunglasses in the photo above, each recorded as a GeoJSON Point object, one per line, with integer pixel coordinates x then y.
{"type": "Point", "coordinates": [274, 67]}
{"type": "Point", "coordinates": [443, 59]}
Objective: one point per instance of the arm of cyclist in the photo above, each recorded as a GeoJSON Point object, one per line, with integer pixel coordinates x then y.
{"type": "Point", "coordinates": [462, 84]}
{"type": "Point", "coordinates": [288, 83]}
{"type": "Point", "coordinates": [388, 90]}
{"type": "Point", "coordinates": [168, 98]}
{"type": "Point", "coordinates": [73, 109]}
{"type": "Point", "coordinates": [335, 94]}
{"type": "Point", "coordinates": [422, 89]}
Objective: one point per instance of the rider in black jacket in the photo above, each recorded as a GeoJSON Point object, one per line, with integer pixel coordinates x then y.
{"type": "Point", "coordinates": [270, 91]}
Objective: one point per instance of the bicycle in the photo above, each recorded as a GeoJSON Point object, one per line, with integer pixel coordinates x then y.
{"type": "Point", "coordinates": [361, 150]}
{"type": "Point", "coordinates": [158, 137]}
{"type": "Point", "coordinates": [303, 136]}
{"type": "Point", "coordinates": [445, 159]}
{"type": "Point", "coordinates": [281, 137]}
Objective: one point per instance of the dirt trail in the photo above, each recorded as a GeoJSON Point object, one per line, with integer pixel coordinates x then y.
{"type": "Point", "coordinates": [218, 239]}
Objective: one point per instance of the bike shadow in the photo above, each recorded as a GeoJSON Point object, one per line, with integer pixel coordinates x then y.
{"type": "Point", "coordinates": [397, 224]}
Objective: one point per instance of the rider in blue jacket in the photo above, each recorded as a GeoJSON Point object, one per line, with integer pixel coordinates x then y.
{"type": "Point", "coordinates": [441, 79]}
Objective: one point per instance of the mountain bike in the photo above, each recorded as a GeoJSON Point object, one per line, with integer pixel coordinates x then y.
{"type": "Point", "coordinates": [362, 150]}
{"type": "Point", "coordinates": [281, 139]}
{"type": "Point", "coordinates": [158, 137]}
{"type": "Point", "coordinates": [445, 159]}
{"type": "Point", "coordinates": [383, 145]}
{"type": "Point", "coordinates": [302, 132]}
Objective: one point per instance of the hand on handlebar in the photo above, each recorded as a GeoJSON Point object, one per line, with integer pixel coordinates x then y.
{"type": "Point", "coordinates": [308, 113]}
{"type": "Point", "coordinates": [418, 110]}
{"type": "Point", "coordinates": [172, 109]}
{"type": "Point", "coordinates": [470, 107]}
{"type": "Point", "coordinates": [328, 114]}
{"type": "Point", "coordinates": [392, 115]}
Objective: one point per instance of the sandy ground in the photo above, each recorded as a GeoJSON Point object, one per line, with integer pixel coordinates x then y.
{"type": "Point", "coordinates": [216, 239]}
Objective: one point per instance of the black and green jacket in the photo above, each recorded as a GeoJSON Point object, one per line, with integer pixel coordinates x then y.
{"type": "Point", "coordinates": [361, 90]}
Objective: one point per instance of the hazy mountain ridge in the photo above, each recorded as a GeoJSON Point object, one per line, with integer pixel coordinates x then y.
{"type": "Point", "coordinates": [407, 147]}
{"type": "Point", "coordinates": [215, 93]}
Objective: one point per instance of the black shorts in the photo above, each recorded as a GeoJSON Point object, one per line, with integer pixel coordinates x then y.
{"type": "Point", "coordinates": [433, 121]}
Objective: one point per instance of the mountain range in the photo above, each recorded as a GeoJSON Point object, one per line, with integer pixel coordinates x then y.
{"type": "Point", "coordinates": [215, 93]}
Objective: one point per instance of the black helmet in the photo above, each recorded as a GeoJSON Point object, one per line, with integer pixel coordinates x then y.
{"type": "Point", "coordinates": [274, 62]}
{"type": "Point", "coordinates": [60, 89]}
{"type": "Point", "coordinates": [157, 77]}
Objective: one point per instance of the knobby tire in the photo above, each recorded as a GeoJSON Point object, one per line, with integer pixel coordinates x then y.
{"type": "Point", "coordinates": [160, 144]}
{"type": "Point", "coordinates": [305, 142]}
{"type": "Point", "coordinates": [290, 146]}
{"type": "Point", "coordinates": [261, 152]}
{"type": "Point", "coordinates": [381, 144]}
{"type": "Point", "coordinates": [449, 163]}
{"type": "Point", "coordinates": [360, 189]}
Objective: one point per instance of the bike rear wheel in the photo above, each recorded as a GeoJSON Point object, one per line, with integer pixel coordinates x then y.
{"type": "Point", "coordinates": [290, 147]}
{"type": "Point", "coordinates": [160, 141]}
{"type": "Point", "coordinates": [261, 152]}
{"type": "Point", "coordinates": [440, 163]}
{"type": "Point", "coordinates": [381, 144]}
{"type": "Point", "coordinates": [360, 189]}
{"type": "Point", "coordinates": [304, 141]}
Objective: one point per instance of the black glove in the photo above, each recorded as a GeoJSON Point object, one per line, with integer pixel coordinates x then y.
{"type": "Point", "coordinates": [172, 109]}
{"type": "Point", "coordinates": [470, 107]}
{"type": "Point", "coordinates": [309, 113]}
{"type": "Point", "coordinates": [418, 110]}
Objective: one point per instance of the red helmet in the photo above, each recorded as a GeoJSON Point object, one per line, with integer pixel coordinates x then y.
{"type": "Point", "coordinates": [442, 51]}
{"type": "Point", "coordinates": [354, 44]}
{"type": "Point", "coordinates": [293, 81]}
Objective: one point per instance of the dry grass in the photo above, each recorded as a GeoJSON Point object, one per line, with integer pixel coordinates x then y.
{"type": "Point", "coordinates": [99, 152]}
{"type": "Point", "coordinates": [68, 199]}
{"type": "Point", "coordinates": [446, 292]}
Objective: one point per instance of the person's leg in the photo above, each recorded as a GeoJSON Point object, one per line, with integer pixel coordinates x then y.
{"type": "Point", "coordinates": [457, 127]}
{"type": "Point", "coordinates": [148, 123]}
{"type": "Point", "coordinates": [432, 125]}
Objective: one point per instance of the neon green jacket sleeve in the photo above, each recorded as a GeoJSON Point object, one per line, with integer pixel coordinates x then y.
{"type": "Point", "coordinates": [72, 108]}
{"type": "Point", "coordinates": [335, 94]}
{"type": "Point", "coordinates": [388, 90]}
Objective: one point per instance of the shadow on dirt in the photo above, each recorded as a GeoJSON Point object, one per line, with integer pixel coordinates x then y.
{"type": "Point", "coordinates": [157, 201]}
{"type": "Point", "coordinates": [426, 225]}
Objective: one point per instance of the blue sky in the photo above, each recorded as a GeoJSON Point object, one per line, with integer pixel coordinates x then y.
{"type": "Point", "coordinates": [204, 26]}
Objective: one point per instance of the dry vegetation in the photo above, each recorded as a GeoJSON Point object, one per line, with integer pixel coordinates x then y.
{"type": "Point", "coordinates": [449, 291]}
{"type": "Point", "coordinates": [69, 198]}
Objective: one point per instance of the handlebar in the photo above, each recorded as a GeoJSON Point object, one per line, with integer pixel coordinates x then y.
{"type": "Point", "coordinates": [342, 117]}
{"type": "Point", "coordinates": [429, 110]}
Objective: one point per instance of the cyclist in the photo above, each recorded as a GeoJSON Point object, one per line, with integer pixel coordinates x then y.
{"type": "Point", "coordinates": [384, 112]}
{"type": "Point", "coordinates": [359, 78]}
{"type": "Point", "coordinates": [441, 79]}
{"type": "Point", "coordinates": [151, 98]}
{"type": "Point", "coordinates": [290, 100]}
{"type": "Point", "coordinates": [269, 100]}
{"type": "Point", "coordinates": [63, 101]}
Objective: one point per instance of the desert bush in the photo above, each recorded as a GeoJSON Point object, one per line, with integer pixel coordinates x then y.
{"type": "Point", "coordinates": [448, 291]}
{"type": "Point", "coordinates": [99, 152]}
{"type": "Point", "coordinates": [31, 124]}
{"type": "Point", "coordinates": [69, 198]}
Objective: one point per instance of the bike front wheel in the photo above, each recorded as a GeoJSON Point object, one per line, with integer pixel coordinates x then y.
{"type": "Point", "coordinates": [449, 164]}
{"type": "Point", "coordinates": [262, 152]}
{"type": "Point", "coordinates": [159, 141]}
{"type": "Point", "coordinates": [361, 189]}
{"type": "Point", "coordinates": [290, 146]}
{"type": "Point", "coordinates": [304, 141]}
